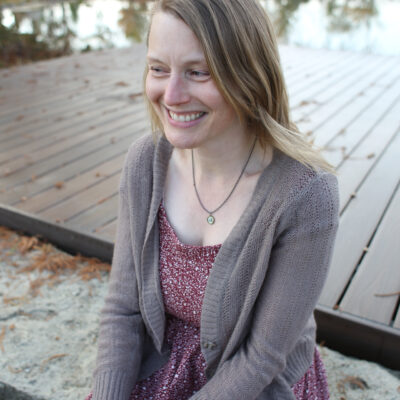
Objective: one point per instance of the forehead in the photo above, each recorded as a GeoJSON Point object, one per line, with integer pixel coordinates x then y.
{"type": "Point", "coordinates": [171, 38]}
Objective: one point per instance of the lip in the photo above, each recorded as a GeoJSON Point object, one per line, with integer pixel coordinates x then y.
{"type": "Point", "coordinates": [184, 124]}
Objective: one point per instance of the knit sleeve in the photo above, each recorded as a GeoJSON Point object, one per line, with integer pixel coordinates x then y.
{"type": "Point", "coordinates": [121, 327]}
{"type": "Point", "coordinates": [296, 271]}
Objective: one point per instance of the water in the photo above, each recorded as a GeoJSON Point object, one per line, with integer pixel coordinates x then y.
{"type": "Point", "coordinates": [63, 27]}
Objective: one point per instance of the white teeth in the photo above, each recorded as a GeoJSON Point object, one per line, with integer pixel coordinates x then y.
{"type": "Point", "coordinates": [185, 118]}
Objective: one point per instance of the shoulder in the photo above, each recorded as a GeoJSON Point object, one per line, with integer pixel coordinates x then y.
{"type": "Point", "coordinates": [299, 188]}
{"type": "Point", "coordinates": [140, 151]}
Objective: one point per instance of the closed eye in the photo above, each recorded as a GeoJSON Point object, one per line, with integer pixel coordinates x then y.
{"type": "Point", "coordinates": [157, 71]}
{"type": "Point", "coordinates": [199, 75]}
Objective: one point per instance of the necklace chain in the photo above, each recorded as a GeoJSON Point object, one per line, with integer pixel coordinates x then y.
{"type": "Point", "coordinates": [211, 218]}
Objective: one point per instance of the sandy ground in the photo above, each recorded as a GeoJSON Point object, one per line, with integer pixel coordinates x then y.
{"type": "Point", "coordinates": [49, 320]}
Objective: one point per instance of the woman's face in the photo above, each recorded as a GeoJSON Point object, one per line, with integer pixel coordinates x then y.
{"type": "Point", "coordinates": [191, 109]}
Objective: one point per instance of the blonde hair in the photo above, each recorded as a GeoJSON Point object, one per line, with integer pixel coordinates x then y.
{"type": "Point", "coordinates": [242, 55]}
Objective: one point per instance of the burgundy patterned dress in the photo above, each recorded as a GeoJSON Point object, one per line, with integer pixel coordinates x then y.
{"type": "Point", "coordinates": [184, 270]}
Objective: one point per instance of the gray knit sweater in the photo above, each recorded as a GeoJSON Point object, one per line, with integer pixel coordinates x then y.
{"type": "Point", "coordinates": [257, 326]}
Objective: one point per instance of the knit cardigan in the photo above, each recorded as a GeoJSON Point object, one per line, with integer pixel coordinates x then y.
{"type": "Point", "coordinates": [257, 329]}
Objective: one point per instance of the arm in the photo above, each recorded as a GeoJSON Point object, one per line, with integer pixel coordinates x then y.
{"type": "Point", "coordinates": [121, 327]}
{"type": "Point", "coordinates": [297, 268]}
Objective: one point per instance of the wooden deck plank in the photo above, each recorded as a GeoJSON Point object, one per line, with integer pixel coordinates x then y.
{"type": "Point", "coordinates": [75, 205]}
{"type": "Point", "coordinates": [356, 167]}
{"type": "Point", "coordinates": [337, 83]}
{"type": "Point", "coordinates": [347, 114]}
{"type": "Point", "coordinates": [337, 70]}
{"type": "Point", "coordinates": [59, 160]}
{"type": "Point", "coordinates": [59, 109]}
{"type": "Point", "coordinates": [73, 186]}
{"type": "Point", "coordinates": [72, 169]}
{"type": "Point", "coordinates": [68, 142]}
{"type": "Point", "coordinates": [341, 147]}
{"type": "Point", "coordinates": [316, 71]}
{"type": "Point", "coordinates": [99, 110]}
{"type": "Point", "coordinates": [55, 133]}
{"type": "Point", "coordinates": [329, 103]}
{"type": "Point", "coordinates": [364, 211]}
{"type": "Point", "coordinates": [376, 275]}
{"type": "Point", "coordinates": [108, 231]}
{"type": "Point", "coordinates": [95, 216]}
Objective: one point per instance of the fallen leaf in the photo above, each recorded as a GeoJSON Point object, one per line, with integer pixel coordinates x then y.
{"type": "Point", "coordinates": [59, 185]}
{"type": "Point", "coordinates": [134, 96]}
{"type": "Point", "coordinates": [19, 118]}
{"type": "Point", "coordinates": [14, 370]}
{"type": "Point", "coordinates": [371, 155]}
{"type": "Point", "coordinates": [54, 357]}
{"type": "Point", "coordinates": [387, 294]}
{"type": "Point", "coordinates": [2, 335]}
{"type": "Point", "coordinates": [353, 381]}
{"type": "Point", "coordinates": [103, 200]}
{"type": "Point", "coordinates": [121, 83]}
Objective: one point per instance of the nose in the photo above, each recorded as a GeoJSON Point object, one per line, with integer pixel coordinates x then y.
{"type": "Point", "coordinates": [176, 91]}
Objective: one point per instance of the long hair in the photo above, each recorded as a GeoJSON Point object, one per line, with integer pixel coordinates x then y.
{"type": "Point", "coordinates": [241, 51]}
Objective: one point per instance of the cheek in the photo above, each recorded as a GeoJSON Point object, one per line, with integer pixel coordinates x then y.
{"type": "Point", "coordinates": [153, 89]}
{"type": "Point", "coordinates": [216, 101]}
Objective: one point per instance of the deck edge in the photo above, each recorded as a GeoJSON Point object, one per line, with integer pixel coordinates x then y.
{"type": "Point", "coordinates": [357, 337]}
{"type": "Point", "coordinates": [67, 239]}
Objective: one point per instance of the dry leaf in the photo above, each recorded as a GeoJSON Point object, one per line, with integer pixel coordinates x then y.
{"type": "Point", "coordinates": [2, 335]}
{"type": "Point", "coordinates": [56, 356]}
{"type": "Point", "coordinates": [387, 294]}
{"type": "Point", "coordinates": [354, 382]}
{"type": "Point", "coordinates": [14, 370]}
{"type": "Point", "coordinates": [27, 243]}
{"type": "Point", "coordinates": [121, 83]}
{"type": "Point", "coordinates": [59, 184]}
{"type": "Point", "coordinates": [371, 155]}
{"type": "Point", "coordinates": [134, 96]}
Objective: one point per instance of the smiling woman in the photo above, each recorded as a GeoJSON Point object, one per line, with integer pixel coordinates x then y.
{"type": "Point", "coordinates": [226, 224]}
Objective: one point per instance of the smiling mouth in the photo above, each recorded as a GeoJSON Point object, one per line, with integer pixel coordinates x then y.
{"type": "Point", "coordinates": [187, 117]}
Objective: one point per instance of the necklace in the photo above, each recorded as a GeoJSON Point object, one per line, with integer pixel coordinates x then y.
{"type": "Point", "coordinates": [211, 218]}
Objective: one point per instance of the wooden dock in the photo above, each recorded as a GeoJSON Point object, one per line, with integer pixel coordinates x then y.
{"type": "Point", "coordinates": [66, 124]}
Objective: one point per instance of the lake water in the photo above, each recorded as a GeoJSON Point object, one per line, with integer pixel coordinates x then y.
{"type": "Point", "coordinates": [358, 25]}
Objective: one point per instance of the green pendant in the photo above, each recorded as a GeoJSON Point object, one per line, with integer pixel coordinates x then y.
{"type": "Point", "coordinates": [210, 219]}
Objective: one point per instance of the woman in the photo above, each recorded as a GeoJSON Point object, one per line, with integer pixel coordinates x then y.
{"type": "Point", "coordinates": [226, 223]}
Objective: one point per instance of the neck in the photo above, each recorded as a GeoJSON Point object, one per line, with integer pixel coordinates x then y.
{"type": "Point", "coordinates": [221, 160]}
